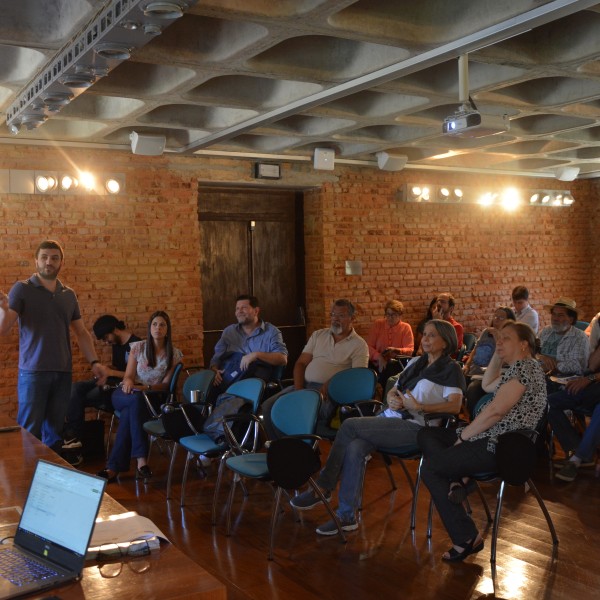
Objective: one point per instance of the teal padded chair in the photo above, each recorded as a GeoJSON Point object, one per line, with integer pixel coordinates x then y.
{"type": "Point", "coordinates": [583, 325]}
{"type": "Point", "coordinates": [201, 381]}
{"type": "Point", "coordinates": [348, 389]}
{"type": "Point", "coordinates": [295, 415]}
{"type": "Point", "coordinates": [251, 390]}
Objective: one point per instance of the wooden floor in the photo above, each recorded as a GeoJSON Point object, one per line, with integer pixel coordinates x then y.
{"type": "Point", "coordinates": [383, 559]}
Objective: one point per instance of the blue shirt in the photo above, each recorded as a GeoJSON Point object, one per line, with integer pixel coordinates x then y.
{"type": "Point", "coordinates": [44, 322]}
{"type": "Point", "coordinates": [265, 338]}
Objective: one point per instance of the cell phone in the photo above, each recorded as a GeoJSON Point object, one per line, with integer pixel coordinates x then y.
{"type": "Point", "coordinates": [8, 428]}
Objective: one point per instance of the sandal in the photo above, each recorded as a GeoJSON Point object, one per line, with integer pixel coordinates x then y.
{"type": "Point", "coordinates": [459, 490]}
{"type": "Point", "coordinates": [454, 555]}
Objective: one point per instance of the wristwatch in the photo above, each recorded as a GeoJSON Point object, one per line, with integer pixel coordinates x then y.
{"type": "Point", "coordinates": [592, 377]}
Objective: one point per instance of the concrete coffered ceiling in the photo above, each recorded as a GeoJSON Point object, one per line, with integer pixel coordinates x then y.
{"type": "Point", "coordinates": [279, 78]}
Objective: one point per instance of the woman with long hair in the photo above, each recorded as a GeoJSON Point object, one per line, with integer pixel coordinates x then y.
{"type": "Point", "coordinates": [150, 367]}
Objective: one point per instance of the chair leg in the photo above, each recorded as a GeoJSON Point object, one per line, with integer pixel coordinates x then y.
{"type": "Point", "coordinates": [110, 429]}
{"type": "Point", "coordinates": [430, 519]}
{"type": "Point", "coordinates": [184, 477]}
{"type": "Point", "coordinates": [542, 504]}
{"type": "Point", "coordinates": [234, 481]}
{"type": "Point", "coordinates": [171, 466]}
{"type": "Point", "coordinates": [387, 461]}
{"type": "Point", "coordinates": [497, 522]}
{"type": "Point", "coordinates": [218, 488]}
{"type": "Point", "coordinates": [274, 514]}
{"type": "Point", "coordinates": [413, 508]}
{"type": "Point", "coordinates": [486, 506]}
{"type": "Point", "coordinates": [408, 476]}
{"type": "Point", "coordinates": [317, 490]}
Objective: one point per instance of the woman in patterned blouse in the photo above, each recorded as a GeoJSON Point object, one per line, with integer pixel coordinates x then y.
{"type": "Point", "coordinates": [452, 455]}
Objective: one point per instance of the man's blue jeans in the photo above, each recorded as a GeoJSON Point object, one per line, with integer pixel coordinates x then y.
{"type": "Point", "coordinates": [357, 438]}
{"type": "Point", "coordinates": [43, 401]}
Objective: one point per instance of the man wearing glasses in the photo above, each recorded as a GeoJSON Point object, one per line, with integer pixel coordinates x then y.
{"type": "Point", "coordinates": [327, 352]}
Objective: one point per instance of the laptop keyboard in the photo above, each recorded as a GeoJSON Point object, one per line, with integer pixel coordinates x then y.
{"type": "Point", "coordinates": [20, 570]}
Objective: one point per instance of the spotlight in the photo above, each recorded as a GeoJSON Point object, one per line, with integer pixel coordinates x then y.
{"type": "Point", "coordinates": [444, 194]}
{"type": "Point", "coordinates": [164, 10]}
{"type": "Point", "coordinates": [14, 128]}
{"type": "Point", "coordinates": [568, 199]}
{"type": "Point", "coordinates": [458, 193]}
{"type": "Point", "coordinates": [425, 194]}
{"type": "Point", "coordinates": [534, 198]}
{"type": "Point", "coordinates": [152, 29]}
{"type": "Point", "coordinates": [68, 183]}
{"type": "Point", "coordinates": [113, 186]}
{"type": "Point", "coordinates": [82, 78]}
{"type": "Point", "coordinates": [87, 181]}
{"type": "Point", "coordinates": [415, 191]}
{"type": "Point", "coordinates": [486, 199]}
{"type": "Point", "coordinates": [558, 200]}
{"type": "Point", "coordinates": [45, 183]}
{"type": "Point", "coordinates": [545, 198]}
{"type": "Point", "coordinates": [510, 199]}
{"type": "Point", "coordinates": [113, 51]}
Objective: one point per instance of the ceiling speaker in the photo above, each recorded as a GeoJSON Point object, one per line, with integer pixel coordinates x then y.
{"type": "Point", "coordinates": [391, 162]}
{"type": "Point", "coordinates": [324, 159]}
{"type": "Point", "coordinates": [567, 173]}
{"type": "Point", "coordinates": [147, 144]}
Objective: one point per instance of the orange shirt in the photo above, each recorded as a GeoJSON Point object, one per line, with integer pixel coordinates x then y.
{"type": "Point", "coordinates": [382, 336]}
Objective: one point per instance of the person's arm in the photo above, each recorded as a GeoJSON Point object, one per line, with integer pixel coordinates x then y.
{"type": "Point", "coordinates": [407, 342]}
{"type": "Point", "coordinates": [360, 356]}
{"type": "Point", "coordinates": [506, 397]}
{"type": "Point", "coordinates": [272, 358]}
{"type": "Point", "coordinates": [572, 354]}
{"type": "Point", "coordinates": [86, 345]}
{"type": "Point", "coordinates": [300, 368]}
{"type": "Point", "coordinates": [273, 350]}
{"type": "Point", "coordinates": [492, 375]}
{"type": "Point", "coordinates": [130, 373]}
{"type": "Point", "coordinates": [452, 405]}
{"type": "Point", "coordinates": [594, 360]}
{"type": "Point", "coordinates": [8, 316]}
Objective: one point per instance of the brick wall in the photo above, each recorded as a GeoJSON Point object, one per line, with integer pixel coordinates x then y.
{"type": "Point", "coordinates": [139, 252]}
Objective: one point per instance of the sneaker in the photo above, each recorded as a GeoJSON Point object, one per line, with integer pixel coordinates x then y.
{"type": "Point", "coordinates": [308, 500]}
{"type": "Point", "coordinates": [73, 458]}
{"type": "Point", "coordinates": [330, 528]}
{"type": "Point", "coordinates": [583, 465]}
{"type": "Point", "coordinates": [71, 443]}
{"type": "Point", "coordinates": [568, 472]}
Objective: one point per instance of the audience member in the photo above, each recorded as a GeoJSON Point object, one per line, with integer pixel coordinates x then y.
{"type": "Point", "coordinates": [327, 352]}
{"type": "Point", "coordinates": [523, 311]}
{"type": "Point", "coordinates": [92, 392]}
{"type": "Point", "coordinates": [249, 348]}
{"type": "Point", "coordinates": [421, 326]}
{"type": "Point", "coordinates": [564, 349]}
{"type": "Point", "coordinates": [150, 367]}
{"type": "Point", "coordinates": [582, 393]}
{"type": "Point", "coordinates": [443, 309]}
{"type": "Point", "coordinates": [452, 455]}
{"type": "Point", "coordinates": [388, 339]}
{"type": "Point", "coordinates": [46, 310]}
{"type": "Point", "coordinates": [431, 383]}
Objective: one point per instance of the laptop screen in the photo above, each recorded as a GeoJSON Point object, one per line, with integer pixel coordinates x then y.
{"type": "Point", "coordinates": [61, 507]}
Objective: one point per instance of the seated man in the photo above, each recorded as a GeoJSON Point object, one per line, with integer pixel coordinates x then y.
{"type": "Point", "coordinates": [443, 309]}
{"type": "Point", "coordinates": [523, 311]}
{"type": "Point", "coordinates": [109, 330]}
{"type": "Point", "coordinates": [584, 394]}
{"type": "Point", "coordinates": [250, 348]}
{"type": "Point", "coordinates": [564, 349]}
{"type": "Point", "coordinates": [327, 352]}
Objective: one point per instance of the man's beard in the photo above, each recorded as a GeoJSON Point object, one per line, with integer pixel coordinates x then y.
{"type": "Point", "coordinates": [561, 328]}
{"type": "Point", "coordinates": [336, 329]}
{"type": "Point", "coordinates": [48, 276]}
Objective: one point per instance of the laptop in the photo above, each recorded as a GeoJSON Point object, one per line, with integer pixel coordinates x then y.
{"type": "Point", "coordinates": [54, 531]}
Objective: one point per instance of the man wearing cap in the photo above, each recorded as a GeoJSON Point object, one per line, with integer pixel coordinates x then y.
{"type": "Point", "coordinates": [564, 348]}
{"type": "Point", "coordinates": [581, 394]}
{"type": "Point", "coordinates": [110, 330]}
{"type": "Point", "coordinates": [47, 311]}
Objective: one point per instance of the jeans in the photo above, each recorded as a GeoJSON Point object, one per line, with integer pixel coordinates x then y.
{"type": "Point", "coordinates": [131, 440]}
{"type": "Point", "coordinates": [568, 437]}
{"type": "Point", "coordinates": [83, 394]}
{"type": "Point", "coordinates": [444, 463]}
{"type": "Point", "coordinates": [43, 399]}
{"type": "Point", "coordinates": [357, 438]}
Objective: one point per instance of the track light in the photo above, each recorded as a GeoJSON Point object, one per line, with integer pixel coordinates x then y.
{"type": "Point", "coordinates": [45, 183]}
{"type": "Point", "coordinates": [68, 183]}
{"type": "Point", "coordinates": [165, 10]}
{"type": "Point", "coordinates": [113, 186]}
{"type": "Point", "coordinates": [113, 51]}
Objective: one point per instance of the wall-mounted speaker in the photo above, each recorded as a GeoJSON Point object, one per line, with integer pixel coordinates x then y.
{"type": "Point", "coordinates": [566, 173]}
{"type": "Point", "coordinates": [391, 162]}
{"type": "Point", "coordinates": [324, 159]}
{"type": "Point", "coordinates": [147, 144]}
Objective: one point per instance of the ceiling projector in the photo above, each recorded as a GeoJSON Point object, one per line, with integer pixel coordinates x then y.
{"type": "Point", "coordinates": [472, 124]}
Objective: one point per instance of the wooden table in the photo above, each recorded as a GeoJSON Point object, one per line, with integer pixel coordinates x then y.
{"type": "Point", "coordinates": [166, 574]}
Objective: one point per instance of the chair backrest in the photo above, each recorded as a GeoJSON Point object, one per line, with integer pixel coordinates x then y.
{"type": "Point", "coordinates": [175, 379]}
{"type": "Point", "coordinates": [201, 381]}
{"type": "Point", "coordinates": [581, 325]}
{"type": "Point", "coordinates": [352, 385]}
{"type": "Point", "coordinates": [296, 412]}
{"type": "Point", "coordinates": [469, 340]}
{"type": "Point", "coordinates": [250, 389]}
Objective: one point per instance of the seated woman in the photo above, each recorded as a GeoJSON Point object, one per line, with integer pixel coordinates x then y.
{"type": "Point", "coordinates": [451, 456]}
{"type": "Point", "coordinates": [389, 338]}
{"type": "Point", "coordinates": [480, 358]}
{"type": "Point", "coordinates": [431, 383]}
{"type": "Point", "coordinates": [150, 366]}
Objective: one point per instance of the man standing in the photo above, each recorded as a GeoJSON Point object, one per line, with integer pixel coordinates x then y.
{"type": "Point", "coordinates": [443, 309]}
{"type": "Point", "coordinates": [523, 311]}
{"type": "Point", "coordinates": [327, 352]}
{"type": "Point", "coordinates": [249, 348]}
{"type": "Point", "coordinates": [564, 348]}
{"type": "Point", "coordinates": [110, 330]}
{"type": "Point", "coordinates": [46, 309]}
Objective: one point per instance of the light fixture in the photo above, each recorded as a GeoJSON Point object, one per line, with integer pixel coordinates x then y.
{"type": "Point", "coordinates": [267, 171]}
{"type": "Point", "coordinates": [112, 185]}
{"type": "Point", "coordinates": [324, 159]}
{"type": "Point", "coordinates": [32, 120]}
{"type": "Point", "coordinates": [510, 199]}
{"type": "Point", "coordinates": [68, 183]}
{"type": "Point", "coordinates": [45, 183]}
{"type": "Point", "coordinates": [113, 51]}
{"type": "Point", "coordinates": [88, 181]}
{"type": "Point", "coordinates": [83, 77]}
{"type": "Point", "coordinates": [444, 194]}
{"type": "Point", "coordinates": [165, 10]}
{"type": "Point", "coordinates": [15, 127]}
{"type": "Point", "coordinates": [152, 29]}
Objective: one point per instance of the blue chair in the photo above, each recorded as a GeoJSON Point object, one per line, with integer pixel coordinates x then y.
{"type": "Point", "coordinates": [583, 325]}
{"type": "Point", "coordinates": [348, 389]}
{"type": "Point", "coordinates": [251, 390]}
{"type": "Point", "coordinates": [201, 381]}
{"type": "Point", "coordinates": [295, 415]}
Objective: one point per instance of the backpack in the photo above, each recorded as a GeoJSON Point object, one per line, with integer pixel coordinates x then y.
{"type": "Point", "coordinates": [226, 404]}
